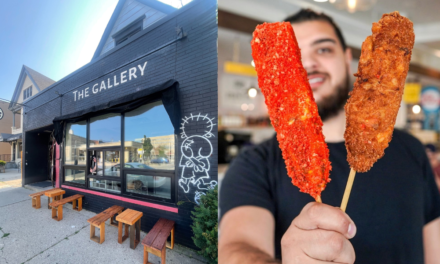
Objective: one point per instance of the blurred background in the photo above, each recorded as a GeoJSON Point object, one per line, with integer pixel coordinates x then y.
{"type": "Point", "coordinates": [243, 118]}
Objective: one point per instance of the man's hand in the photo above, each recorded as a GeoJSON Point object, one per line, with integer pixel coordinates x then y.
{"type": "Point", "coordinates": [319, 234]}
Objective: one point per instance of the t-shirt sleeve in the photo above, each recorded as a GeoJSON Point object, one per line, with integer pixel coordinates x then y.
{"type": "Point", "coordinates": [247, 182]}
{"type": "Point", "coordinates": [432, 195]}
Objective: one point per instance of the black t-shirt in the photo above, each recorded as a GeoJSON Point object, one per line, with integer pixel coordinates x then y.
{"type": "Point", "coordinates": [389, 204]}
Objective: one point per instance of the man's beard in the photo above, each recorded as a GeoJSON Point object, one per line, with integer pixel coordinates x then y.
{"type": "Point", "coordinates": [331, 105]}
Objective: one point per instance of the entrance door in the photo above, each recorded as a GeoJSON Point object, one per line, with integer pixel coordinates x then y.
{"type": "Point", "coordinates": [37, 156]}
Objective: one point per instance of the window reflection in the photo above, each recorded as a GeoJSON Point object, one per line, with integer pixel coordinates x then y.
{"type": "Point", "coordinates": [75, 176]}
{"type": "Point", "coordinates": [105, 185]}
{"type": "Point", "coordinates": [105, 130]}
{"type": "Point", "coordinates": [111, 163]}
{"type": "Point", "coordinates": [149, 138]}
{"type": "Point", "coordinates": [96, 162]}
{"type": "Point", "coordinates": [75, 147]}
{"type": "Point", "coordinates": [149, 185]}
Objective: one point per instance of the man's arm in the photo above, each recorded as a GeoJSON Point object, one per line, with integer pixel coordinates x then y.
{"type": "Point", "coordinates": [431, 242]}
{"type": "Point", "coordinates": [247, 236]}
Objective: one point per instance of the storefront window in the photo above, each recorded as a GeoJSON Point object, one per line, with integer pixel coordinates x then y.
{"type": "Point", "coordinates": [75, 176]}
{"type": "Point", "coordinates": [75, 147]}
{"type": "Point", "coordinates": [149, 153]}
{"type": "Point", "coordinates": [156, 186]}
{"type": "Point", "coordinates": [105, 130]}
{"type": "Point", "coordinates": [105, 185]}
{"type": "Point", "coordinates": [149, 138]}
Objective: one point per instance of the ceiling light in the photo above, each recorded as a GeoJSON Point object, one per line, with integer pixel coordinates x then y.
{"type": "Point", "coordinates": [320, 1]}
{"type": "Point", "coordinates": [416, 109]}
{"type": "Point", "coordinates": [252, 92]}
{"type": "Point", "coordinates": [229, 137]}
{"type": "Point", "coordinates": [353, 5]}
{"type": "Point", "coordinates": [244, 107]}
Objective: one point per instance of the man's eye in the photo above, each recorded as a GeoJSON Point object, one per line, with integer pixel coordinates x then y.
{"type": "Point", "coordinates": [324, 50]}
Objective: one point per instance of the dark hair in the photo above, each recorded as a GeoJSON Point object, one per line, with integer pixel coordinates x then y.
{"type": "Point", "coordinates": [431, 147]}
{"type": "Point", "coordinates": [309, 15]}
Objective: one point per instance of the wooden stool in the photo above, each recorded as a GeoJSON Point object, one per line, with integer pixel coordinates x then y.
{"type": "Point", "coordinates": [130, 218]}
{"type": "Point", "coordinates": [36, 201]}
{"type": "Point", "coordinates": [99, 221]}
{"type": "Point", "coordinates": [55, 194]}
{"type": "Point", "coordinates": [155, 242]}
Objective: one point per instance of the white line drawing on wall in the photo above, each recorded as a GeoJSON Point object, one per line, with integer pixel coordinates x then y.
{"type": "Point", "coordinates": [196, 150]}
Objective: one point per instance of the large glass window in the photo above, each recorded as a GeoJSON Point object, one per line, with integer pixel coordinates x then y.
{"type": "Point", "coordinates": [149, 185]}
{"type": "Point", "coordinates": [149, 138]}
{"type": "Point", "coordinates": [144, 164]}
{"type": "Point", "coordinates": [105, 130]}
{"type": "Point", "coordinates": [75, 176]}
{"type": "Point", "coordinates": [75, 146]}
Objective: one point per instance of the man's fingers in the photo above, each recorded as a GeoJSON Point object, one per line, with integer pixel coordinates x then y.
{"type": "Point", "coordinates": [323, 216]}
{"type": "Point", "coordinates": [329, 246]}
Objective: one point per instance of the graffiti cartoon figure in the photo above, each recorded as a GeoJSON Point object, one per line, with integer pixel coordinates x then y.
{"type": "Point", "coordinates": [196, 151]}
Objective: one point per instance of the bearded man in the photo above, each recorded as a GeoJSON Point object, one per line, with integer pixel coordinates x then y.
{"type": "Point", "coordinates": [393, 212]}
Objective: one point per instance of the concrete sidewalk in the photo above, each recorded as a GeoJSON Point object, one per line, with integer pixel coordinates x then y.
{"type": "Point", "coordinates": [10, 180]}
{"type": "Point", "coordinates": [31, 236]}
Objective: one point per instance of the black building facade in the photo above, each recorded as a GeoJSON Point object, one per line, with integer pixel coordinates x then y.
{"type": "Point", "coordinates": [137, 126]}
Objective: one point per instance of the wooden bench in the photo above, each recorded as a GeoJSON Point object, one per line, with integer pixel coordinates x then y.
{"type": "Point", "coordinates": [99, 222]}
{"type": "Point", "coordinates": [58, 205]}
{"type": "Point", "coordinates": [36, 201]}
{"type": "Point", "coordinates": [156, 240]}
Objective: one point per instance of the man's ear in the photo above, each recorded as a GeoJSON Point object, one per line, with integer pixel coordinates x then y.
{"type": "Point", "coordinates": [348, 59]}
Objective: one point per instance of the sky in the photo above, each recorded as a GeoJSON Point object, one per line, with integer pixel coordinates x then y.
{"type": "Point", "coordinates": [52, 37]}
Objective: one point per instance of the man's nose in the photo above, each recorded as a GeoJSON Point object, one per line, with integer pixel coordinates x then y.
{"type": "Point", "coordinates": [309, 62]}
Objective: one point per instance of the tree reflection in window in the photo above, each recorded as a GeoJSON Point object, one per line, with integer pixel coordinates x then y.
{"type": "Point", "coordinates": [149, 137]}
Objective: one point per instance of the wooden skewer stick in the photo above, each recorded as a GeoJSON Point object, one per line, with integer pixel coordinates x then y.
{"type": "Point", "coordinates": [348, 190]}
{"type": "Point", "coordinates": [318, 199]}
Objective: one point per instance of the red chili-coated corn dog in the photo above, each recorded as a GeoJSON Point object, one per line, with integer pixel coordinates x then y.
{"type": "Point", "coordinates": [375, 100]}
{"type": "Point", "coordinates": [292, 108]}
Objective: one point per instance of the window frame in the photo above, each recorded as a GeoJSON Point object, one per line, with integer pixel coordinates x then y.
{"type": "Point", "coordinates": [73, 167]}
{"type": "Point", "coordinates": [27, 93]}
{"type": "Point", "coordinates": [147, 172]}
{"type": "Point", "coordinates": [172, 174]}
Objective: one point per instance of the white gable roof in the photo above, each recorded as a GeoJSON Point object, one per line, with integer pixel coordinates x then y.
{"type": "Point", "coordinates": [29, 77]}
{"type": "Point", "coordinates": [125, 13]}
